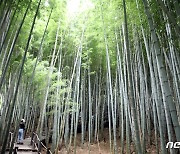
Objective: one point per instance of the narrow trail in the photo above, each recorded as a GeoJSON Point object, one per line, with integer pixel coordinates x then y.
{"type": "Point", "coordinates": [24, 148]}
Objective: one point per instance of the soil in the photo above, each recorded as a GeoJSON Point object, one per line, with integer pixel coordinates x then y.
{"type": "Point", "coordinates": [102, 147]}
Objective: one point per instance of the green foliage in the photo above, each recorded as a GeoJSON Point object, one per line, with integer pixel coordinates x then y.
{"type": "Point", "coordinates": [71, 31]}
{"type": "Point", "coordinates": [103, 18]}
{"type": "Point", "coordinates": [40, 77]}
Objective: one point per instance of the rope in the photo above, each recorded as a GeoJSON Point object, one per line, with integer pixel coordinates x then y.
{"type": "Point", "coordinates": [40, 143]}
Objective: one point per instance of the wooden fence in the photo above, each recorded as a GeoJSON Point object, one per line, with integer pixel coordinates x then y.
{"type": "Point", "coordinates": [38, 145]}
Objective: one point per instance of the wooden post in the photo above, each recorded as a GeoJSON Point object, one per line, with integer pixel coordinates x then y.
{"type": "Point", "coordinates": [39, 146]}
{"type": "Point", "coordinates": [9, 141]}
{"type": "Point", "coordinates": [11, 138]}
{"type": "Point", "coordinates": [48, 152]}
{"type": "Point", "coordinates": [15, 150]}
{"type": "Point", "coordinates": [32, 138]}
{"type": "Point", "coordinates": [35, 141]}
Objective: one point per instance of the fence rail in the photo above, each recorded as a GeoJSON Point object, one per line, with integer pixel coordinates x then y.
{"type": "Point", "coordinates": [37, 144]}
{"type": "Point", "coordinates": [10, 142]}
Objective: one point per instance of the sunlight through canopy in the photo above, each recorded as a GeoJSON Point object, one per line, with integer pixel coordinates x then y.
{"type": "Point", "coordinates": [75, 7]}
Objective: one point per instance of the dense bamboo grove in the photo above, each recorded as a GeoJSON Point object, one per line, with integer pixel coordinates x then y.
{"type": "Point", "coordinates": [106, 65]}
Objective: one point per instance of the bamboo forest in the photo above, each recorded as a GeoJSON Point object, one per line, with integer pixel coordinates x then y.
{"type": "Point", "coordinates": [90, 76]}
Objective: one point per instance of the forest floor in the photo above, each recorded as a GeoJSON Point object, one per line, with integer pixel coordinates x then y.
{"type": "Point", "coordinates": [103, 147]}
